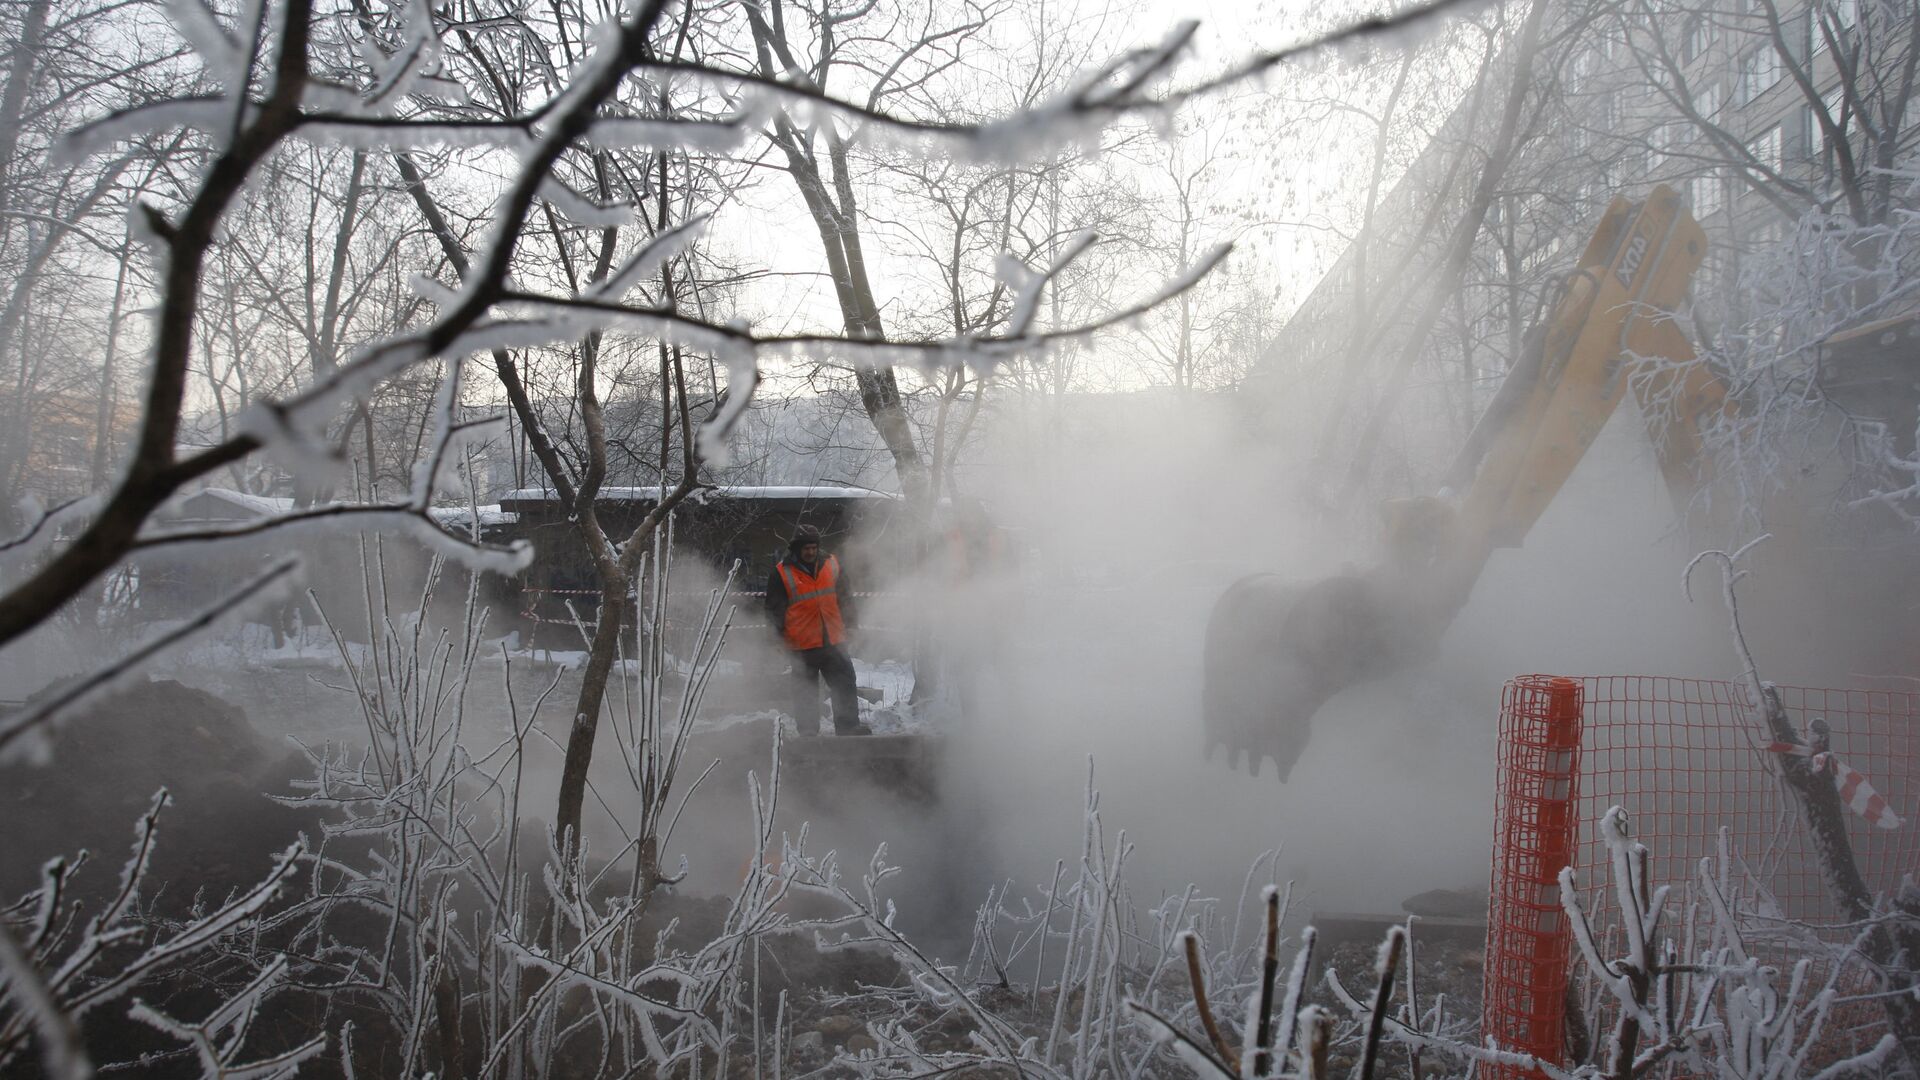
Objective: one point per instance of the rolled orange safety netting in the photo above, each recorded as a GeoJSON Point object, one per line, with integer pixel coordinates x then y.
{"type": "Point", "coordinates": [1529, 943]}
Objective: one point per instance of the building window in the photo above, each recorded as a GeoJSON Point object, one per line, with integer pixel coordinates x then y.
{"type": "Point", "coordinates": [1707, 101]}
{"type": "Point", "coordinates": [1767, 149]}
{"type": "Point", "coordinates": [1699, 38]}
{"type": "Point", "coordinates": [1661, 145]}
{"type": "Point", "coordinates": [1612, 113]}
{"type": "Point", "coordinates": [1818, 140]}
{"type": "Point", "coordinates": [1831, 16]}
{"type": "Point", "coordinates": [1541, 255]}
{"type": "Point", "coordinates": [1707, 196]}
{"type": "Point", "coordinates": [1759, 70]}
{"type": "Point", "coordinates": [1582, 71]}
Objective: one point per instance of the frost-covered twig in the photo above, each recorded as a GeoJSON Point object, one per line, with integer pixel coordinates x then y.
{"type": "Point", "coordinates": [1387, 965]}
{"type": "Point", "coordinates": [218, 1038]}
{"type": "Point", "coordinates": [1012, 1050]}
{"type": "Point", "coordinates": [1196, 980]}
{"type": "Point", "coordinates": [53, 986]}
{"type": "Point", "coordinates": [1191, 1054]}
{"type": "Point", "coordinates": [1730, 575]}
{"type": "Point", "coordinates": [46, 519]}
{"type": "Point", "coordinates": [62, 1054]}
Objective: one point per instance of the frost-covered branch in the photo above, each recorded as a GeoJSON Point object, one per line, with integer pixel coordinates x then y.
{"type": "Point", "coordinates": [53, 984]}
{"type": "Point", "coordinates": [62, 1055]}
{"type": "Point", "coordinates": [1782, 340]}
{"type": "Point", "coordinates": [47, 519]}
{"type": "Point", "coordinates": [154, 473]}
{"type": "Point", "coordinates": [1730, 575]}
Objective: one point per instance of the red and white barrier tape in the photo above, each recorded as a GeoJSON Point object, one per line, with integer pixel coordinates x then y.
{"type": "Point", "coordinates": [1854, 789]}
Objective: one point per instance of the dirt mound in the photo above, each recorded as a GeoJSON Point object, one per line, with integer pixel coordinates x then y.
{"type": "Point", "coordinates": [220, 831]}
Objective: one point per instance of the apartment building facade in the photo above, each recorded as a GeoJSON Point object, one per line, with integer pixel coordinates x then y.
{"type": "Point", "coordinates": [1760, 112]}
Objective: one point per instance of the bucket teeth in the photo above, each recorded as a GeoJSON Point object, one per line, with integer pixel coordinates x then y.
{"type": "Point", "coordinates": [1277, 652]}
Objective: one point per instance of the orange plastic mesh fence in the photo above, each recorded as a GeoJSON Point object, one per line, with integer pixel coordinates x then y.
{"type": "Point", "coordinates": [1523, 1002]}
{"type": "Point", "coordinates": [1685, 759]}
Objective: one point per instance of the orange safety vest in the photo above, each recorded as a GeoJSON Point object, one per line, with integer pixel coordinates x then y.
{"type": "Point", "coordinates": [813, 605]}
{"type": "Point", "coordinates": [961, 564]}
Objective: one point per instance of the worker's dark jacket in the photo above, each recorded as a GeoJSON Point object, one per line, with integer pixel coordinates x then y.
{"type": "Point", "coordinates": [819, 613]}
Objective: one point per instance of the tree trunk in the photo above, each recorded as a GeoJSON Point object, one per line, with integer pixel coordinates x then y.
{"type": "Point", "coordinates": [587, 708]}
{"type": "Point", "coordinates": [103, 415]}
{"type": "Point", "coordinates": [1893, 945]}
{"type": "Point", "coordinates": [13, 103]}
{"type": "Point", "coordinates": [836, 215]}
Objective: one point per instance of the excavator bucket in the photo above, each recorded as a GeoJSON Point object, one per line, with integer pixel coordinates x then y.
{"type": "Point", "coordinates": [1276, 652]}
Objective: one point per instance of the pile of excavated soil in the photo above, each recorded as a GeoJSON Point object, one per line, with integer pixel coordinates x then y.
{"type": "Point", "coordinates": [220, 831]}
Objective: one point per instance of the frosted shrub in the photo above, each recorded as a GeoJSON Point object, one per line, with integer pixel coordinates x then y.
{"type": "Point", "coordinates": [61, 961]}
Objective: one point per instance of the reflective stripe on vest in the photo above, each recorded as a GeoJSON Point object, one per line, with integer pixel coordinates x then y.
{"type": "Point", "coordinates": [813, 605]}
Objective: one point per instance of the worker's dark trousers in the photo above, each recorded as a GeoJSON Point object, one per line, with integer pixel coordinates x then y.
{"type": "Point", "coordinates": [829, 662]}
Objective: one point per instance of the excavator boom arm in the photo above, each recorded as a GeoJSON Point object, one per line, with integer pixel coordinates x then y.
{"type": "Point", "coordinates": [1277, 651]}
{"type": "Point", "coordinates": [1611, 330]}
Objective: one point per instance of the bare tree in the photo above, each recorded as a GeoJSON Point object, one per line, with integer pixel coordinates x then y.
{"type": "Point", "coordinates": [1210, 336]}
{"type": "Point", "coordinates": [1839, 73]}
{"type": "Point", "coordinates": [64, 63]}
{"type": "Point", "coordinates": [829, 192]}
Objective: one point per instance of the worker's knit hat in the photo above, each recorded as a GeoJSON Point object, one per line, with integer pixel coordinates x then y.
{"type": "Point", "coordinates": [804, 535]}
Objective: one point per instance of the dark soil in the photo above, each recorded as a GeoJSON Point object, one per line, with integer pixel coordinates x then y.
{"type": "Point", "coordinates": [218, 834]}
{"type": "Point", "coordinates": [1443, 966]}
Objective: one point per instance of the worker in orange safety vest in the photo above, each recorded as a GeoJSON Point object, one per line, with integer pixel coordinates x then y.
{"type": "Point", "coordinates": [809, 607]}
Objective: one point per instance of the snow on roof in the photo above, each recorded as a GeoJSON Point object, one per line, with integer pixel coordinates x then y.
{"type": "Point", "coordinates": [795, 492]}
{"type": "Point", "coordinates": [450, 516]}
{"type": "Point", "coordinates": [259, 505]}
{"type": "Point", "coordinates": [276, 505]}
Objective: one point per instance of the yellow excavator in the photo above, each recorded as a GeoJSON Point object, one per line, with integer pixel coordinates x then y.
{"type": "Point", "coordinates": [1276, 651]}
